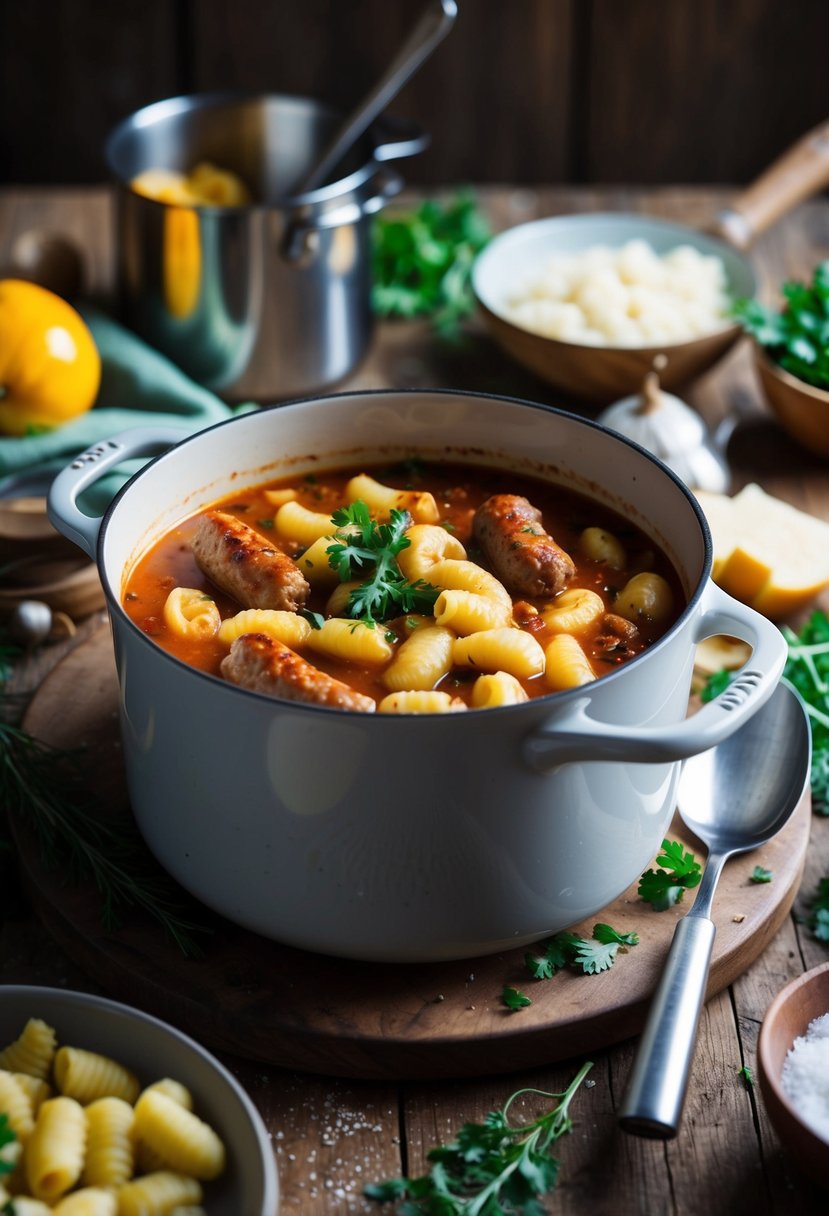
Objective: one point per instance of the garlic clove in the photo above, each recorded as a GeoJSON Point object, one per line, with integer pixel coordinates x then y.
{"type": "Point", "coordinates": [672, 431]}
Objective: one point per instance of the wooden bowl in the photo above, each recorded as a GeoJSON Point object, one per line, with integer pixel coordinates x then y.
{"type": "Point", "coordinates": [788, 1016]}
{"type": "Point", "coordinates": [598, 374]}
{"type": "Point", "coordinates": [802, 409]}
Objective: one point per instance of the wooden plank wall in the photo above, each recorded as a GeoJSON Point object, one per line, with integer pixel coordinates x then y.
{"type": "Point", "coordinates": [524, 91]}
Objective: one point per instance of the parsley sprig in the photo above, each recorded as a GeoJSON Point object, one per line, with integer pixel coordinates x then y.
{"type": "Point", "coordinates": [591, 956]}
{"type": "Point", "coordinates": [807, 670]}
{"type": "Point", "coordinates": [422, 261]}
{"type": "Point", "coordinates": [797, 336]}
{"type": "Point", "coordinates": [491, 1167]}
{"type": "Point", "coordinates": [362, 546]}
{"type": "Point", "coordinates": [677, 870]}
{"type": "Point", "coordinates": [818, 919]}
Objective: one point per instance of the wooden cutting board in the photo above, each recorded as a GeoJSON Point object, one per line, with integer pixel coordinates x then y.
{"type": "Point", "coordinates": [286, 1007]}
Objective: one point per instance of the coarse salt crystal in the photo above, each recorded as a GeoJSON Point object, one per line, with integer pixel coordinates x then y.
{"type": "Point", "coordinates": [805, 1076]}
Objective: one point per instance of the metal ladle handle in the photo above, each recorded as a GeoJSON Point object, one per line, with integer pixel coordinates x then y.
{"type": "Point", "coordinates": [431, 29]}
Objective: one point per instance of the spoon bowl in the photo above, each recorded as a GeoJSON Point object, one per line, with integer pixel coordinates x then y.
{"type": "Point", "coordinates": [737, 796]}
{"type": "Point", "coordinates": [734, 797]}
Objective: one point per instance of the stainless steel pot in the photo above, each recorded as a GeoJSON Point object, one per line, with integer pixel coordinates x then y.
{"type": "Point", "coordinates": [263, 301]}
{"type": "Point", "coordinates": [415, 836]}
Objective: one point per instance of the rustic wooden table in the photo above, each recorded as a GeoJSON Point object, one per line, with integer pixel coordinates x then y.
{"type": "Point", "coordinates": [331, 1136]}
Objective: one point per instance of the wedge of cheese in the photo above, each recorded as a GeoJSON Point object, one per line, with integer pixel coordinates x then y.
{"type": "Point", "coordinates": [767, 553]}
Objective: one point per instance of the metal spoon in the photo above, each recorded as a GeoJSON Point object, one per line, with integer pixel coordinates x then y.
{"type": "Point", "coordinates": [734, 797]}
{"type": "Point", "coordinates": [432, 27]}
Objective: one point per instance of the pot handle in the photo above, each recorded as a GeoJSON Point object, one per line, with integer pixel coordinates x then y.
{"type": "Point", "coordinates": [67, 487]}
{"type": "Point", "coordinates": [570, 734]}
{"type": "Point", "coordinates": [801, 171]}
{"type": "Point", "coordinates": [299, 241]}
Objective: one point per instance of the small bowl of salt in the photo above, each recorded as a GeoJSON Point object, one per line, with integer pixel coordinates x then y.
{"type": "Point", "coordinates": [793, 1065]}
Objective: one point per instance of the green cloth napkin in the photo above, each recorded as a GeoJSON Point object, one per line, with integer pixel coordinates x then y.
{"type": "Point", "coordinates": [139, 387]}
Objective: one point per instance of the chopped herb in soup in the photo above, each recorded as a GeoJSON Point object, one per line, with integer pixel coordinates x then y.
{"type": "Point", "coordinates": [422, 588]}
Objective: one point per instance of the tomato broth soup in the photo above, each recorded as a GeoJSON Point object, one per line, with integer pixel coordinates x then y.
{"type": "Point", "coordinates": [417, 587]}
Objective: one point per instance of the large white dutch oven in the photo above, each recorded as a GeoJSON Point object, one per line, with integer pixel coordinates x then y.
{"type": "Point", "coordinates": [391, 837]}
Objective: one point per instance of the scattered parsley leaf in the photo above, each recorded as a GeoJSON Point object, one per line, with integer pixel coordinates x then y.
{"type": "Point", "coordinates": [677, 871]}
{"type": "Point", "coordinates": [371, 548]}
{"type": "Point", "coordinates": [514, 999]}
{"type": "Point", "coordinates": [315, 619]}
{"type": "Point", "coordinates": [715, 684]}
{"type": "Point", "coordinates": [422, 262]}
{"type": "Point", "coordinates": [545, 966]}
{"type": "Point", "coordinates": [807, 671]}
{"type": "Point", "coordinates": [796, 337]}
{"type": "Point", "coordinates": [7, 1136]}
{"type": "Point", "coordinates": [490, 1168]}
{"type": "Point", "coordinates": [589, 955]}
{"type": "Point", "coordinates": [758, 874]}
{"type": "Point", "coordinates": [818, 918]}
{"type": "Point", "coordinates": [747, 1075]}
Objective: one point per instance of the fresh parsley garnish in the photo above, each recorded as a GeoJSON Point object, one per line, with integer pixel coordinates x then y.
{"type": "Point", "coordinates": [422, 262]}
{"type": "Point", "coordinates": [677, 870]}
{"type": "Point", "coordinates": [747, 1075]}
{"type": "Point", "coordinates": [797, 336]}
{"type": "Point", "coordinates": [818, 918]}
{"type": "Point", "coordinates": [491, 1167]}
{"type": "Point", "coordinates": [514, 998]}
{"type": "Point", "coordinates": [716, 683]}
{"type": "Point", "coordinates": [758, 874]}
{"type": "Point", "coordinates": [315, 619]}
{"type": "Point", "coordinates": [589, 955]}
{"type": "Point", "coordinates": [7, 1136]}
{"type": "Point", "coordinates": [370, 550]}
{"type": "Point", "coordinates": [807, 671]}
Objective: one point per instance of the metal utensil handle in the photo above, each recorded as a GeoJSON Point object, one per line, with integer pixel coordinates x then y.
{"type": "Point", "coordinates": [431, 28]}
{"type": "Point", "coordinates": [658, 1081]}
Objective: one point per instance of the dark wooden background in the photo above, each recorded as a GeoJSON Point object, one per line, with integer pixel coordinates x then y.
{"type": "Point", "coordinates": [524, 91]}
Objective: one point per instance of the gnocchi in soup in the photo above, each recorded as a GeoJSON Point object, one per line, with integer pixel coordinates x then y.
{"type": "Point", "coordinates": [423, 587]}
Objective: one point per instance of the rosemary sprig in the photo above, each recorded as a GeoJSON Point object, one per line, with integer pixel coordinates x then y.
{"type": "Point", "coordinates": [35, 780]}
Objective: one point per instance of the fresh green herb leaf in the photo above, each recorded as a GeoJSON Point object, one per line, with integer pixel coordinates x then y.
{"type": "Point", "coordinates": [545, 966]}
{"type": "Point", "coordinates": [677, 871]}
{"type": "Point", "coordinates": [362, 546]}
{"type": "Point", "coordinates": [807, 671]}
{"type": "Point", "coordinates": [7, 1136]}
{"type": "Point", "coordinates": [315, 619]}
{"type": "Point", "coordinates": [715, 684]}
{"type": "Point", "coordinates": [747, 1075]}
{"type": "Point", "coordinates": [514, 999]}
{"type": "Point", "coordinates": [604, 933]}
{"type": "Point", "coordinates": [797, 335]}
{"type": "Point", "coordinates": [758, 874]}
{"type": "Point", "coordinates": [494, 1168]}
{"type": "Point", "coordinates": [818, 919]}
{"type": "Point", "coordinates": [422, 262]}
{"type": "Point", "coordinates": [590, 956]}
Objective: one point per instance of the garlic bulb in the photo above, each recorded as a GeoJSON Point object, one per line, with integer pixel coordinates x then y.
{"type": "Point", "coordinates": [671, 430]}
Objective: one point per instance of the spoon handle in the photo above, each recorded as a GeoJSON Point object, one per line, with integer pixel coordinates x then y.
{"type": "Point", "coordinates": [656, 1088]}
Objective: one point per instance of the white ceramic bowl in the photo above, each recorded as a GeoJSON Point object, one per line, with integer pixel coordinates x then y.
{"type": "Point", "coordinates": [152, 1049]}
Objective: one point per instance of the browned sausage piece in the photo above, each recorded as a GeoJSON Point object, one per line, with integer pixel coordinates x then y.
{"type": "Point", "coordinates": [522, 555]}
{"type": "Point", "coordinates": [241, 562]}
{"type": "Point", "coordinates": [264, 665]}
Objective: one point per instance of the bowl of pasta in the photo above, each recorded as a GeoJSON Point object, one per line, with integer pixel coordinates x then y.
{"type": "Point", "coordinates": [387, 661]}
{"type": "Point", "coordinates": [108, 1110]}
